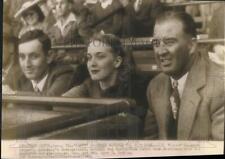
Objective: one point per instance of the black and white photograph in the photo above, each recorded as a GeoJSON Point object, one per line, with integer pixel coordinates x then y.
{"type": "Point", "coordinates": [112, 78]}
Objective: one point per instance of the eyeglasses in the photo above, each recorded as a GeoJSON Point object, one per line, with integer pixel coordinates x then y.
{"type": "Point", "coordinates": [167, 41]}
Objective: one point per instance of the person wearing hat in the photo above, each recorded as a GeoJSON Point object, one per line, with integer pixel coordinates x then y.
{"type": "Point", "coordinates": [31, 16]}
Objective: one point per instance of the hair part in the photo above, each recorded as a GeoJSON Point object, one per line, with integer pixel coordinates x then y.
{"type": "Point", "coordinates": [40, 36]}
{"type": "Point", "coordinates": [189, 25]}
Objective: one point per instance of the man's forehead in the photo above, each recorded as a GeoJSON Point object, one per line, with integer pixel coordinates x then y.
{"type": "Point", "coordinates": [32, 44]}
{"type": "Point", "coordinates": [170, 27]}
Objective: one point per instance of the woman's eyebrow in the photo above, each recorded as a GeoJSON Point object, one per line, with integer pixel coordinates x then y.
{"type": "Point", "coordinates": [99, 53]}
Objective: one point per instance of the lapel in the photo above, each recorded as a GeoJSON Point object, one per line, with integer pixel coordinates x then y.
{"type": "Point", "coordinates": [191, 98]}
{"type": "Point", "coordinates": [163, 105]}
{"type": "Point", "coordinates": [26, 85]}
{"type": "Point", "coordinates": [48, 83]}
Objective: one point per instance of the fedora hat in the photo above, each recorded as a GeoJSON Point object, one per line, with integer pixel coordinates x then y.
{"type": "Point", "coordinates": [26, 6]}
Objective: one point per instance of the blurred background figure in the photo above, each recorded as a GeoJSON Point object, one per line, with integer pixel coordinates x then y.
{"type": "Point", "coordinates": [10, 66]}
{"type": "Point", "coordinates": [66, 28]}
{"type": "Point", "coordinates": [143, 13]}
{"type": "Point", "coordinates": [31, 16]}
{"type": "Point", "coordinates": [216, 31]}
{"type": "Point", "coordinates": [48, 8]}
{"type": "Point", "coordinates": [108, 15]}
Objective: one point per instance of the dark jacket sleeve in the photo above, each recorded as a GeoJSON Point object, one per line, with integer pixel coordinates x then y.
{"type": "Point", "coordinates": [78, 91]}
{"type": "Point", "coordinates": [59, 81]}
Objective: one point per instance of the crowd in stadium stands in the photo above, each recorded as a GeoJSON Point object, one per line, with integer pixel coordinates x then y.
{"type": "Point", "coordinates": [32, 27]}
{"type": "Point", "coordinates": [125, 18]}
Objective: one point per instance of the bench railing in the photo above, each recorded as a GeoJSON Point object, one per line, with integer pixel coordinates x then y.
{"type": "Point", "coordinates": [106, 108]}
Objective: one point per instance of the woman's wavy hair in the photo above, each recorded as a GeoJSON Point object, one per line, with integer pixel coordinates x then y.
{"type": "Point", "coordinates": [114, 42]}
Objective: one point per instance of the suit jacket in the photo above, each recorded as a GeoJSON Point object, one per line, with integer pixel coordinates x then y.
{"type": "Point", "coordinates": [60, 79]}
{"type": "Point", "coordinates": [201, 114]}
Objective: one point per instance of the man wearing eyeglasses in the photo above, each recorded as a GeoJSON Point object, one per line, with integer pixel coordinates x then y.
{"type": "Point", "coordinates": [187, 98]}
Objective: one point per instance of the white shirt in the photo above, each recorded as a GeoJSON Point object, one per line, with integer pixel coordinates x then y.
{"type": "Point", "coordinates": [40, 84]}
{"type": "Point", "coordinates": [181, 83]}
{"type": "Point", "coordinates": [106, 3]}
{"type": "Point", "coordinates": [70, 18]}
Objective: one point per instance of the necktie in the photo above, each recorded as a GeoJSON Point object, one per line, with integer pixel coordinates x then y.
{"type": "Point", "coordinates": [36, 89]}
{"type": "Point", "coordinates": [175, 100]}
{"type": "Point", "coordinates": [173, 117]}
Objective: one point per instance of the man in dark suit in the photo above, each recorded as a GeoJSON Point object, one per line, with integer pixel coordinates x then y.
{"type": "Point", "coordinates": [40, 74]}
{"type": "Point", "coordinates": [187, 98]}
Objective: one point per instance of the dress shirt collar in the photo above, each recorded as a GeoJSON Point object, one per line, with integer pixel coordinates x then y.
{"type": "Point", "coordinates": [106, 3]}
{"type": "Point", "coordinates": [71, 18]}
{"type": "Point", "coordinates": [181, 83]}
{"type": "Point", "coordinates": [40, 84]}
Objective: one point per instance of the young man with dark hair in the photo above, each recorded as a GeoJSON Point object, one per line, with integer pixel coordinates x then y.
{"type": "Point", "coordinates": [187, 98]}
{"type": "Point", "coordinates": [40, 74]}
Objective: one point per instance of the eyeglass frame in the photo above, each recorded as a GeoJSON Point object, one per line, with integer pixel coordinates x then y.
{"type": "Point", "coordinates": [165, 41]}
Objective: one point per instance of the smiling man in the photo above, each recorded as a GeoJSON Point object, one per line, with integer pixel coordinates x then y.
{"type": "Point", "coordinates": [40, 74]}
{"type": "Point", "coordinates": [187, 98]}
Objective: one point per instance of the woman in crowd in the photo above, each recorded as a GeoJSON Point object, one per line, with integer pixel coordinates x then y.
{"type": "Point", "coordinates": [111, 74]}
{"type": "Point", "coordinates": [31, 16]}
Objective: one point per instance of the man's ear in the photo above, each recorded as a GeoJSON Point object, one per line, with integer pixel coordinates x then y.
{"type": "Point", "coordinates": [118, 61]}
{"type": "Point", "coordinates": [50, 57]}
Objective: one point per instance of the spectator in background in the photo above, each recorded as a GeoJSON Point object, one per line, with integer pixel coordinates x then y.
{"type": "Point", "coordinates": [32, 17]}
{"type": "Point", "coordinates": [66, 28]}
{"type": "Point", "coordinates": [48, 7]}
{"type": "Point", "coordinates": [216, 31]}
{"type": "Point", "coordinates": [144, 13]}
{"type": "Point", "coordinates": [10, 67]}
{"type": "Point", "coordinates": [108, 15]}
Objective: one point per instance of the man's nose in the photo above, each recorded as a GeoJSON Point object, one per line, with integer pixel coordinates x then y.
{"type": "Point", "coordinates": [161, 50]}
{"type": "Point", "coordinates": [27, 62]}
